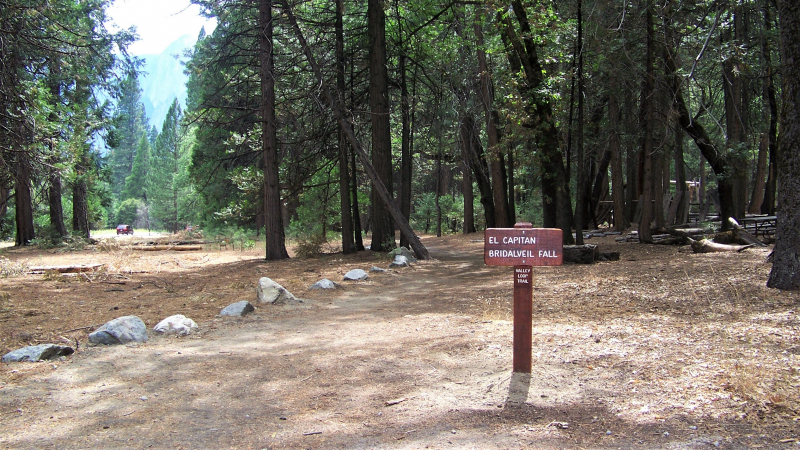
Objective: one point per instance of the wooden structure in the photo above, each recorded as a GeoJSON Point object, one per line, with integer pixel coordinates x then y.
{"type": "Point", "coordinates": [523, 247]}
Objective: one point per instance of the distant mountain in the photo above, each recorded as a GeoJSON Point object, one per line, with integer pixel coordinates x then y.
{"type": "Point", "coordinates": [163, 79]}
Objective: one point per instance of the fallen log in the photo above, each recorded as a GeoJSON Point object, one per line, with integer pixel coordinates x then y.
{"type": "Point", "coordinates": [581, 254]}
{"type": "Point", "coordinates": [676, 240]}
{"type": "Point", "coordinates": [744, 234]}
{"type": "Point", "coordinates": [64, 269]}
{"type": "Point", "coordinates": [706, 246]}
{"type": "Point", "coordinates": [176, 248]}
{"type": "Point", "coordinates": [169, 242]}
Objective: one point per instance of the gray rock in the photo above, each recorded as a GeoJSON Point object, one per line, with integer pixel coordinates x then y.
{"type": "Point", "coordinates": [241, 308]}
{"type": "Point", "coordinates": [403, 252]}
{"type": "Point", "coordinates": [268, 291]}
{"type": "Point", "coordinates": [177, 324]}
{"type": "Point", "coordinates": [399, 261]}
{"type": "Point", "coordinates": [324, 284]}
{"type": "Point", "coordinates": [377, 270]}
{"type": "Point", "coordinates": [120, 331]}
{"type": "Point", "coordinates": [355, 275]}
{"type": "Point", "coordinates": [34, 353]}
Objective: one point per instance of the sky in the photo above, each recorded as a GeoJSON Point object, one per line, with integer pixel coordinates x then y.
{"type": "Point", "coordinates": [158, 22]}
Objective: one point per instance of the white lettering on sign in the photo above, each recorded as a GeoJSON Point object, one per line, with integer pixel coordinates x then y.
{"type": "Point", "coordinates": [547, 254]}
{"type": "Point", "coordinates": [493, 240]}
{"type": "Point", "coordinates": [517, 240]}
{"type": "Point", "coordinates": [523, 275]}
{"type": "Point", "coordinates": [511, 254]}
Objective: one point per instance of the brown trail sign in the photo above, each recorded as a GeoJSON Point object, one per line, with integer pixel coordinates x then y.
{"type": "Point", "coordinates": [523, 247]}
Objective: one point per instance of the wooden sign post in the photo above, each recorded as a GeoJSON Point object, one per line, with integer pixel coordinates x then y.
{"type": "Point", "coordinates": [523, 247]}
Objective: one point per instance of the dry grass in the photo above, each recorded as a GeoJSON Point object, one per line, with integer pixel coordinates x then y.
{"type": "Point", "coordinates": [10, 268]}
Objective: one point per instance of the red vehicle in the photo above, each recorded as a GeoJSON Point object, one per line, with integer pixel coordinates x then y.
{"type": "Point", "coordinates": [124, 229]}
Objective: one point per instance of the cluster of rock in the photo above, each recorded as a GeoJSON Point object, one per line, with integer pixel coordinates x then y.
{"type": "Point", "coordinates": [127, 329]}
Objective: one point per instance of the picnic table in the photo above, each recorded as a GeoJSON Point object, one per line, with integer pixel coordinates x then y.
{"type": "Point", "coordinates": [760, 225]}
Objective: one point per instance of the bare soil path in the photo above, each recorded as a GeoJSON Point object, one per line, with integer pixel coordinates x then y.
{"type": "Point", "coordinates": [663, 349]}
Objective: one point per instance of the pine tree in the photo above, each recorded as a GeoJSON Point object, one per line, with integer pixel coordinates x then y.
{"type": "Point", "coordinates": [165, 165]}
{"type": "Point", "coordinates": [129, 128]}
{"type": "Point", "coordinates": [135, 181]}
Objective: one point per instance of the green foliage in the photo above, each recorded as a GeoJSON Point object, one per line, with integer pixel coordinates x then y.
{"type": "Point", "coordinates": [135, 186]}
{"type": "Point", "coordinates": [425, 213]}
{"type": "Point", "coordinates": [128, 211]}
{"type": "Point", "coordinates": [168, 187]}
{"type": "Point", "coordinates": [126, 134]}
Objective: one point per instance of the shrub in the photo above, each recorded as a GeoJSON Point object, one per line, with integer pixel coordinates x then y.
{"type": "Point", "coordinates": [310, 246]}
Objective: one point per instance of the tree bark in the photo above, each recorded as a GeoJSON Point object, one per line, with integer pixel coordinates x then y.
{"type": "Point", "coordinates": [580, 195]}
{"type": "Point", "coordinates": [357, 230]}
{"type": "Point", "coordinates": [80, 207]}
{"type": "Point", "coordinates": [735, 120]}
{"type": "Point", "coordinates": [631, 161]}
{"type": "Point", "coordinates": [760, 177]}
{"type": "Point", "coordinates": [273, 232]}
{"type": "Point", "coordinates": [480, 170]}
{"type": "Point", "coordinates": [54, 202]}
{"type": "Point", "coordinates": [382, 226]}
{"type": "Point", "coordinates": [617, 183]}
{"type": "Point", "coordinates": [646, 125]}
{"type": "Point", "coordinates": [3, 201]}
{"type": "Point", "coordinates": [785, 273]}
{"type": "Point", "coordinates": [348, 244]}
{"type": "Point", "coordinates": [682, 211]}
{"type": "Point", "coordinates": [468, 195]}
{"type": "Point", "coordinates": [512, 201]}
{"type": "Point", "coordinates": [406, 163]}
{"type": "Point", "coordinates": [23, 201]}
{"type": "Point", "coordinates": [768, 205]}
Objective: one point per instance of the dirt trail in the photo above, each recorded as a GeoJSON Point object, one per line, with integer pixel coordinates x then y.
{"type": "Point", "coordinates": [432, 338]}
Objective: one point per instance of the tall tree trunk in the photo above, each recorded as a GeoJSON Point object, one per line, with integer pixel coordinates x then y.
{"type": "Point", "coordinates": [735, 119]}
{"type": "Point", "coordinates": [357, 230]}
{"type": "Point", "coordinates": [631, 161]}
{"type": "Point", "coordinates": [406, 165]}
{"type": "Point", "coordinates": [580, 195]}
{"type": "Point", "coordinates": [480, 169]}
{"type": "Point", "coordinates": [3, 201]}
{"type": "Point", "coordinates": [646, 125]}
{"type": "Point", "coordinates": [682, 193]}
{"type": "Point", "coordinates": [760, 177]}
{"type": "Point", "coordinates": [658, 179]}
{"type": "Point", "coordinates": [785, 273]}
{"type": "Point", "coordinates": [512, 202]}
{"type": "Point", "coordinates": [382, 225]}
{"type": "Point", "coordinates": [23, 201]}
{"type": "Point", "coordinates": [348, 244]}
{"type": "Point", "coordinates": [80, 207]}
{"type": "Point", "coordinates": [54, 201]}
{"type": "Point", "coordinates": [273, 232]}
{"type": "Point", "coordinates": [617, 182]}
{"type": "Point", "coordinates": [438, 187]}
{"type": "Point", "coordinates": [596, 190]}
{"type": "Point", "coordinates": [502, 217]}
{"type": "Point", "coordinates": [467, 193]}
{"type": "Point", "coordinates": [768, 205]}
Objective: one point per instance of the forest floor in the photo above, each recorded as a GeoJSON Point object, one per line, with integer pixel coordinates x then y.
{"type": "Point", "coordinates": [662, 349]}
